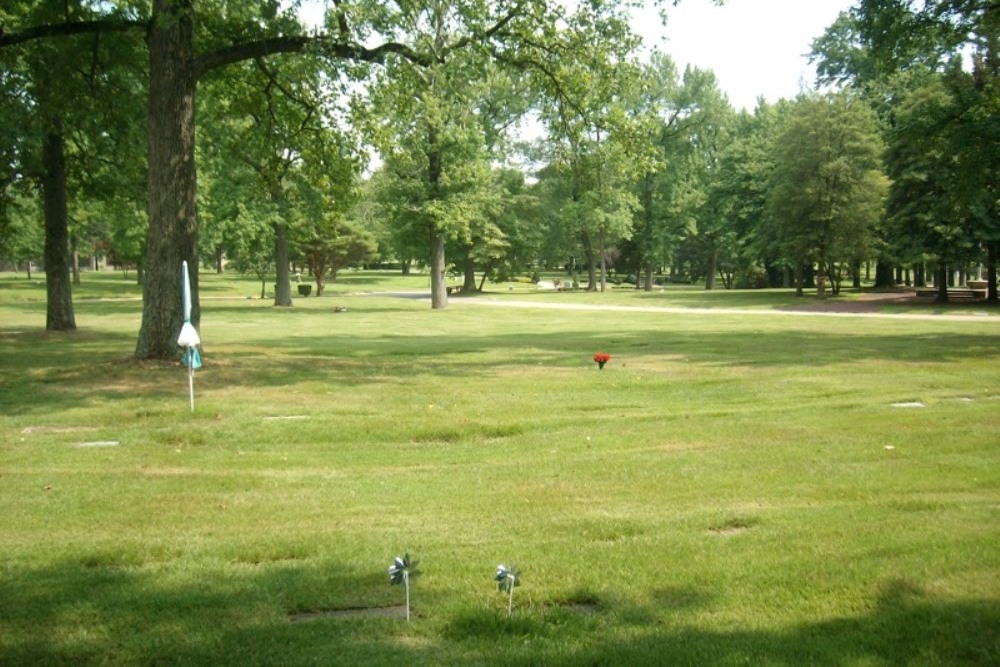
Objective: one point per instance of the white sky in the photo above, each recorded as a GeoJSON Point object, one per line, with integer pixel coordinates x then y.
{"type": "Point", "coordinates": [755, 47]}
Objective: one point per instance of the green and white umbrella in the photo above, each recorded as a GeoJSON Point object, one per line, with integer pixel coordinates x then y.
{"type": "Point", "coordinates": [189, 338]}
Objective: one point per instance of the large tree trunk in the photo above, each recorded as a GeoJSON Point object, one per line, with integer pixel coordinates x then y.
{"type": "Point", "coordinates": [821, 276]}
{"type": "Point", "coordinates": [991, 270]}
{"type": "Point", "coordinates": [884, 275]}
{"type": "Point", "coordinates": [604, 262]}
{"type": "Point", "coordinates": [713, 267]}
{"type": "Point", "coordinates": [591, 258]}
{"type": "Point", "coordinates": [173, 220]}
{"type": "Point", "coordinates": [283, 286]}
{"type": "Point", "coordinates": [439, 288]}
{"type": "Point", "coordinates": [319, 271]}
{"type": "Point", "coordinates": [646, 243]}
{"type": "Point", "coordinates": [942, 283]}
{"type": "Point", "coordinates": [469, 272]}
{"type": "Point", "coordinates": [59, 314]}
{"type": "Point", "coordinates": [75, 260]}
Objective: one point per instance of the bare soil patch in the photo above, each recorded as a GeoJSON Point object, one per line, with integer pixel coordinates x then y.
{"type": "Point", "coordinates": [396, 611]}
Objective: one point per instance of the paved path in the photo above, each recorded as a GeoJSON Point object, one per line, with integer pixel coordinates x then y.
{"type": "Point", "coordinates": [486, 301]}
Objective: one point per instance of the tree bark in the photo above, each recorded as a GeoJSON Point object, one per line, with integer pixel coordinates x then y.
{"type": "Point", "coordinates": [883, 274]}
{"type": "Point", "coordinates": [75, 260]}
{"type": "Point", "coordinates": [173, 219]}
{"type": "Point", "coordinates": [591, 258]}
{"type": "Point", "coordinates": [712, 269]}
{"type": "Point", "coordinates": [469, 272]}
{"type": "Point", "coordinates": [604, 262]}
{"type": "Point", "coordinates": [821, 276]}
{"type": "Point", "coordinates": [646, 244]}
{"type": "Point", "coordinates": [283, 285]}
{"type": "Point", "coordinates": [439, 289]}
{"type": "Point", "coordinates": [486, 271]}
{"type": "Point", "coordinates": [942, 283]}
{"type": "Point", "coordinates": [59, 314]}
{"type": "Point", "coordinates": [992, 250]}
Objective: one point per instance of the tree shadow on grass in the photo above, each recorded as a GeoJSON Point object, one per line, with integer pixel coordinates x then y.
{"type": "Point", "coordinates": [74, 369]}
{"type": "Point", "coordinates": [94, 610]}
{"type": "Point", "coordinates": [903, 627]}
{"type": "Point", "coordinates": [97, 610]}
{"type": "Point", "coordinates": [460, 356]}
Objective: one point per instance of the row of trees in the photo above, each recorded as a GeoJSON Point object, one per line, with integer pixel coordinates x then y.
{"type": "Point", "coordinates": [930, 71]}
{"type": "Point", "coordinates": [640, 165]}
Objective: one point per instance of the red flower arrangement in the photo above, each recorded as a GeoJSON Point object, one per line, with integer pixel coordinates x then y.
{"type": "Point", "coordinates": [602, 358]}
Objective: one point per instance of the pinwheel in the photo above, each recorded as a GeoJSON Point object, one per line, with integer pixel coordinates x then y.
{"type": "Point", "coordinates": [400, 572]}
{"type": "Point", "coordinates": [507, 579]}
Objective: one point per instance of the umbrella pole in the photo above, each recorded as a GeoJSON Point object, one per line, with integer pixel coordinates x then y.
{"type": "Point", "coordinates": [191, 380]}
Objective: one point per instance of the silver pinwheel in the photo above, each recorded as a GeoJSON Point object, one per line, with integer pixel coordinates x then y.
{"type": "Point", "coordinates": [400, 571]}
{"type": "Point", "coordinates": [507, 579]}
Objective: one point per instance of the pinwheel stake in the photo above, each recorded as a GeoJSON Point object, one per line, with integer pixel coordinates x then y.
{"type": "Point", "coordinates": [189, 339]}
{"type": "Point", "coordinates": [507, 579]}
{"type": "Point", "coordinates": [399, 572]}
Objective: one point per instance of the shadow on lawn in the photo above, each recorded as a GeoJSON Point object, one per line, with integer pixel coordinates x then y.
{"type": "Point", "coordinates": [94, 612]}
{"type": "Point", "coordinates": [460, 356]}
{"type": "Point", "coordinates": [74, 369]}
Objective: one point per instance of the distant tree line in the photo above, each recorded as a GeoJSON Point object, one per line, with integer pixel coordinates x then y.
{"type": "Point", "coordinates": [638, 172]}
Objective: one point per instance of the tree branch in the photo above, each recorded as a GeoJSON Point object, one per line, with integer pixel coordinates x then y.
{"type": "Point", "coordinates": [493, 30]}
{"type": "Point", "coordinates": [68, 30]}
{"type": "Point", "coordinates": [298, 43]}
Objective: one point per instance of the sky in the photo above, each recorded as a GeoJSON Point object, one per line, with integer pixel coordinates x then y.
{"type": "Point", "coordinates": [755, 47]}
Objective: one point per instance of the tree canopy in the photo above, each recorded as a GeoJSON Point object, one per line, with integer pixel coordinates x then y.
{"type": "Point", "coordinates": [640, 167]}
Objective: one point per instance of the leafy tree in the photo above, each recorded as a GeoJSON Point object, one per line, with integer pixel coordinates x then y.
{"type": "Point", "coordinates": [74, 91]}
{"type": "Point", "coordinates": [705, 132]}
{"type": "Point", "coordinates": [22, 239]}
{"type": "Point", "coordinates": [510, 240]}
{"type": "Point", "coordinates": [501, 99]}
{"type": "Point", "coordinates": [334, 245]}
{"type": "Point", "coordinates": [740, 190]}
{"type": "Point", "coordinates": [273, 117]}
{"type": "Point", "coordinates": [896, 48]}
{"type": "Point", "coordinates": [437, 155]}
{"type": "Point", "coordinates": [593, 141]}
{"type": "Point", "coordinates": [930, 212]}
{"type": "Point", "coordinates": [252, 241]}
{"type": "Point", "coordinates": [827, 186]}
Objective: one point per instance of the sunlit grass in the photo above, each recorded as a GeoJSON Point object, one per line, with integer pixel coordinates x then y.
{"type": "Point", "coordinates": [728, 490]}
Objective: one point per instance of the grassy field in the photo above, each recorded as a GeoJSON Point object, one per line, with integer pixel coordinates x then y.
{"type": "Point", "coordinates": [731, 489]}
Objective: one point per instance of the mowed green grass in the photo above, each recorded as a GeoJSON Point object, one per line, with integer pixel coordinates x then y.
{"type": "Point", "coordinates": [730, 489]}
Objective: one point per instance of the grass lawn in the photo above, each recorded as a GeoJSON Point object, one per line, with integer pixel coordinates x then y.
{"type": "Point", "coordinates": [731, 489]}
